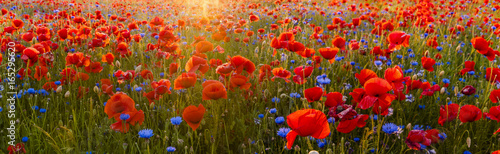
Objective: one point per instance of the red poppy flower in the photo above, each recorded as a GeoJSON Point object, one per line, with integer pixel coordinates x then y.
{"type": "Point", "coordinates": [172, 68]}
{"type": "Point", "coordinates": [397, 39]}
{"type": "Point", "coordinates": [493, 74]}
{"type": "Point", "coordinates": [347, 125]}
{"type": "Point", "coordinates": [185, 80]}
{"type": "Point", "coordinates": [307, 122]}
{"type": "Point", "coordinates": [40, 72]}
{"type": "Point", "coordinates": [241, 64]}
{"type": "Point", "coordinates": [304, 71]}
{"type": "Point", "coordinates": [417, 137]}
{"type": "Point", "coordinates": [19, 148]}
{"type": "Point", "coordinates": [493, 113]}
{"type": "Point", "coordinates": [107, 87]}
{"type": "Point", "coordinates": [94, 67]}
{"type": "Point", "coordinates": [213, 90]}
{"type": "Point", "coordinates": [365, 75]}
{"type": "Point", "coordinates": [395, 77]}
{"type": "Point", "coordinates": [77, 59]}
{"type": "Point", "coordinates": [468, 90]}
{"type": "Point", "coordinates": [239, 81]}
{"type": "Point", "coordinates": [333, 99]}
{"type": "Point", "coordinates": [469, 113]}
{"type": "Point", "coordinates": [196, 63]}
{"type": "Point", "coordinates": [193, 115]}
{"type": "Point", "coordinates": [329, 53]}
{"type": "Point", "coordinates": [427, 63]}
{"type": "Point", "coordinates": [204, 46]}
{"type": "Point", "coordinates": [146, 74]}
{"type": "Point", "coordinates": [108, 58]}
{"type": "Point", "coordinates": [377, 96]}
{"type": "Point", "coordinates": [281, 73]}
{"type": "Point", "coordinates": [469, 66]}
{"type": "Point", "coordinates": [480, 44]}
{"type": "Point", "coordinates": [433, 135]}
{"type": "Point", "coordinates": [495, 96]}
{"type": "Point", "coordinates": [339, 42]}
{"type": "Point", "coordinates": [30, 56]}
{"type": "Point", "coordinates": [313, 94]}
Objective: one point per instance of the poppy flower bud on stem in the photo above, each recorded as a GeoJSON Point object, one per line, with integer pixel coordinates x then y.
{"type": "Point", "coordinates": [138, 68]}
{"type": "Point", "coordinates": [441, 73]}
{"type": "Point", "coordinates": [117, 63]}
{"type": "Point", "coordinates": [468, 142]}
{"type": "Point", "coordinates": [414, 77]}
{"type": "Point", "coordinates": [59, 89]}
{"type": "Point", "coordinates": [443, 89]}
{"type": "Point", "coordinates": [67, 94]}
{"type": "Point", "coordinates": [96, 89]}
{"type": "Point", "coordinates": [426, 53]}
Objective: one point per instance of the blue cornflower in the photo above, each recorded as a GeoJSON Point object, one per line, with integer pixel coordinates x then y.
{"type": "Point", "coordinates": [467, 152]}
{"type": "Point", "coordinates": [176, 120]}
{"type": "Point", "coordinates": [272, 111]}
{"type": "Point", "coordinates": [261, 115]}
{"type": "Point", "coordinates": [43, 110]}
{"type": "Point", "coordinates": [138, 89]}
{"type": "Point", "coordinates": [275, 100]}
{"type": "Point", "coordinates": [124, 116]}
{"type": "Point", "coordinates": [146, 133]}
{"type": "Point", "coordinates": [25, 139]}
{"type": "Point", "coordinates": [418, 127]}
{"type": "Point", "coordinates": [170, 149]}
{"type": "Point", "coordinates": [442, 136]}
{"type": "Point", "coordinates": [279, 120]}
{"type": "Point", "coordinates": [331, 120]}
{"type": "Point", "coordinates": [282, 132]}
{"type": "Point", "coordinates": [323, 79]}
{"type": "Point", "coordinates": [390, 128]}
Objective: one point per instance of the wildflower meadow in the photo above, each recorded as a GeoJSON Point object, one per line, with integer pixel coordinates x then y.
{"type": "Point", "coordinates": [249, 76]}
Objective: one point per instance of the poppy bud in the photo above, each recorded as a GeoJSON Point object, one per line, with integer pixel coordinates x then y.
{"type": "Point", "coordinates": [96, 89]}
{"type": "Point", "coordinates": [135, 86]}
{"type": "Point", "coordinates": [117, 63]}
{"type": "Point", "coordinates": [458, 48]}
{"type": "Point", "coordinates": [443, 89]}
{"type": "Point", "coordinates": [67, 94]}
{"type": "Point", "coordinates": [468, 90]}
{"type": "Point", "coordinates": [455, 90]}
{"type": "Point", "coordinates": [468, 142]}
{"type": "Point", "coordinates": [409, 126]}
{"type": "Point", "coordinates": [138, 68]}
{"type": "Point", "coordinates": [414, 77]}
{"type": "Point", "coordinates": [441, 73]}
{"type": "Point", "coordinates": [152, 105]}
{"type": "Point", "coordinates": [59, 89]}
{"type": "Point", "coordinates": [48, 75]}
{"type": "Point", "coordinates": [426, 53]}
{"type": "Point", "coordinates": [313, 152]}
{"type": "Point", "coordinates": [485, 110]}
